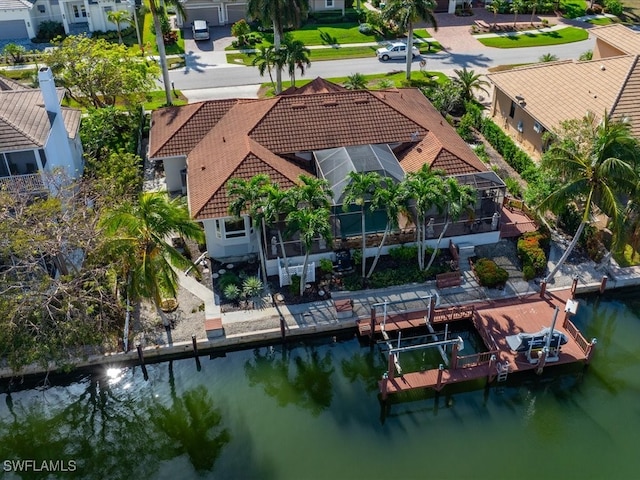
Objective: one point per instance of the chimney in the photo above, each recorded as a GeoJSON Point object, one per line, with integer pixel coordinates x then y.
{"type": "Point", "coordinates": [48, 89]}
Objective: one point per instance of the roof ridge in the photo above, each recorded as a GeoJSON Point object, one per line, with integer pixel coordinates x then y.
{"type": "Point", "coordinates": [399, 91]}
{"type": "Point", "coordinates": [199, 106]}
{"type": "Point", "coordinates": [624, 84]}
{"type": "Point", "coordinates": [21, 130]}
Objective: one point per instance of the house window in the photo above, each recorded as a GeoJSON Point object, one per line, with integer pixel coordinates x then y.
{"type": "Point", "coordinates": [538, 128]}
{"type": "Point", "coordinates": [234, 227]}
{"type": "Point", "coordinates": [43, 157]}
{"type": "Point", "coordinates": [328, 3]}
{"type": "Point", "coordinates": [41, 8]}
{"type": "Point", "coordinates": [512, 110]}
{"type": "Point", "coordinates": [107, 10]}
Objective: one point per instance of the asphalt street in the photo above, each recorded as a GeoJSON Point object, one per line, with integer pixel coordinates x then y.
{"type": "Point", "coordinates": [208, 70]}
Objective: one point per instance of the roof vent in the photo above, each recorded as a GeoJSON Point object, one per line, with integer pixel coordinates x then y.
{"type": "Point", "coordinates": [361, 100]}
{"type": "Point", "coordinates": [298, 106]}
{"type": "Point", "coordinates": [202, 167]}
{"type": "Point", "coordinates": [415, 136]}
{"type": "Point", "coordinates": [603, 68]}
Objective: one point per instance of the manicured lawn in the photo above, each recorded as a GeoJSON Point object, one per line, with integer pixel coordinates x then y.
{"type": "Point", "coordinates": [573, 8]}
{"type": "Point", "coordinates": [566, 35]}
{"type": "Point", "coordinates": [154, 100]}
{"type": "Point", "coordinates": [603, 21]}
{"type": "Point", "coordinates": [627, 258]}
{"type": "Point", "coordinates": [397, 78]}
{"type": "Point", "coordinates": [149, 37]}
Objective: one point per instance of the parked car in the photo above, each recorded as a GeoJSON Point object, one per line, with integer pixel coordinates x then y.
{"type": "Point", "coordinates": [396, 50]}
{"type": "Point", "coordinates": [200, 30]}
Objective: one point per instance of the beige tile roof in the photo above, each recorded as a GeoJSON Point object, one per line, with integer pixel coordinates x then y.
{"type": "Point", "coordinates": [558, 91]}
{"type": "Point", "coordinates": [8, 84]}
{"type": "Point", "coordinates": [618, 36]}
{"type": "Point", "coordinates": [627, 104]}
{"type": "Point", "coordinates": [228, 138]}
{"type": "Point", "coordinates": [24, 122]}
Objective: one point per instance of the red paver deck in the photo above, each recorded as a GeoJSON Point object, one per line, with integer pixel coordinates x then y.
{"type": "Point", "coordinates": [500, 319]}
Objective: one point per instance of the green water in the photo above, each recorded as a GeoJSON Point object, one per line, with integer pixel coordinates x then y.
{"type": "Point", "coordinates": [312, 411]}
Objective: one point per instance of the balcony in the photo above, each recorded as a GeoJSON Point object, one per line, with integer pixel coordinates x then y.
{"type": "Point", "coordinates": [23, 184]}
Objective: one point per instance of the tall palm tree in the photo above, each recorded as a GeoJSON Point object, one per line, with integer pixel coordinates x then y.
{"type": "Point", "coordinates": [424, 189]}
{"type": "Point", "coordinates": [119, 17]}
{"type": "Point", "coordinates": [156, 10]}
{"type": "Point", "coordinates": [405, 13]}
{"type": "Point", "coordinates": [534, 4]}
{"type": "Point", "coordinates": [359, 191]}
{"type": "Point", "coordinates": [278, 203]}
{"type": "Point", "coordinates": [596, 162]}
{"type": "Point", "coordinates": [265, 60]}
{"type": "Point", "coordinates": [280, 14]}
{"type": "Point", "coordinates": [137, 238]}
{"type": "Point", "coordinates": [517, 6]}
{"type": "Point", "coordinates": [390, 196]}
{"type": "Point", "coordinates": [249, 196]}
{"type": "Point", "coordinates": [469, 81]}
{"type": "Point", "coordinates": [458, 199]}
{"type": "Point", "coordinates": [496, 7]}
{"type": "Point", "coordinates": [356, 81]}
{"type": "Point", "coordinates": [311, 223]}
{"type": "Point", "coordinates": [297, 57]}
{"type": "Point", "coordinates": [312, 193]}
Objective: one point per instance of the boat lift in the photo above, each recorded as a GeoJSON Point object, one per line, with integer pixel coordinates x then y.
{"type": "Point", "coordinates": [394, 353]}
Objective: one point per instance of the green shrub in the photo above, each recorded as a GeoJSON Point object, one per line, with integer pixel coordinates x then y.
{"type": "Point", "coordinates": [365, 28]}
{"type": "Point", "coordinates": [356, 256]}
{"type": "Point", "coordinates": [513, 187]}
{"type": "Point", "coordinates": [231, 292]}
{"type": "Point", "coordinates": [614, 7]}
{"type": "Point", "coordinates": [404, 253]}
{"type": "Point", "coordinates": [465, 128]}
{"type": "Point", "coordinates": [531, 252]}
{"type": "Point", "coordinates": [49, 30]}
{"type": "Point", "coordinates": [252, 287]}
{"type": "Point", "coordinates": [490, 274]}
{"type": "Point", "coordinates": [326, 265]}
{"type": "Point", "coordinates": [528, 272]}
{"type": "Point", "coordinates": [228, 278]}
{"type": "Point", "coordinates": [294, 287]}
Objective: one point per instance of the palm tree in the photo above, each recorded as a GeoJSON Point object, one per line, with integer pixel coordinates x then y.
{"type": "Point", "coordinates": [312, 193]}
{"type": "Point", "coordinates": [517, 6]}
{"type": "Point", "coordinates": [278, 13]}
{"type": "Point", "coordinates": [533, 4]}
{"type": "Point", "coordinates": [296, 56]}
{"type": "Point", "coordinates": [358, 191]}
{"type": "Point", "coordinates": [119, 17]}
{"type": "Point", "coordinates": [405, 13]}
{"type": "Point", "coordinates": [469, 81]}
{"type": "Point", "coordinates": [265, 60]}
{"type": "Point", "coordinates": [311, 223]}
{"type": "Point", "coordinates": [496, 7]}
{"type": "Point", "coordinates": [249, 196]}
{"type": "Point", "coordinates": [548, 57]}
{"type": "Point", "coordinates": [155, 13]}
{"type": "Point", "coordinates": [458, 199]}
{"type": "Point", "coordinates": [390, 196]}
{"type": "Point", "coordinates": [424, 188]}
{"type": "Point", "coordinates": [356, 81]}
{"type": "Point", "coordinates": [278, 203]}
{"type": "Point", "coordinates": [137, 238]}
{"type": "Point", "coordinates": [596, 162]}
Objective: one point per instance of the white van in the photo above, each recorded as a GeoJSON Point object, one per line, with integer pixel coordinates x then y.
{"type": "Point", "coordinates": [200, 30]}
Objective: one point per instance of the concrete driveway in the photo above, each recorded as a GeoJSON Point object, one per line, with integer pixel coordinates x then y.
{"type": "Point", "coordinates": [206, 53]}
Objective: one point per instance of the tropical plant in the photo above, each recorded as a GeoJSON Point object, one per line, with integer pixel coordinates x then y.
{"type": "Point", "coordinates": [424, 189]}
{"type": "Point", "coordinates": [231, 292]}
{"type": "Point", "coordinates": [548, 57]}
{"type": "Point", "coordinates": [248, 196]}
{"type": "Point", "coordinates": [586, 56]}
{"type": "Point", "coordinates": [495, 7]}
{"type": "Point", "coordinates": [445, 97]}
{"type": "Point", "coordinates": [405, 13]}
{"type": "Point", "coordinates": [252, 288]}
{"type": "Point", "coordinates": [118, 17]}
{"type": "Point", "coordinates": [312, 193]}
{"type": "Point", "coordinates": [596, 162]}
{"type": "Point", "coordinates": [296, 56]}
{"type": "Point", "coordinates": [517, 6]}
{"type": "Point", "coordinates": [469, 81]}
{"type": "Point", "coordinates": [359, 191]}
{"type": "Point", "coordinates": [138, 243]}
{"type": "Point", "coordinates": [310, 224]}
{"type": "Point", "coordinates": [533, 5]}
{"type": "Point", "coordinates": [356, 81]}
{"type": "Point", "coordinates": [456, 200]}
{"type": "Point", "coordinates": [489, 273]}
{"type": "Point", "coordinates": [280, 14]}
{"type": "Point", "coordinates": [389, 196]}
{"type": "Point", "coordinates": [277, 203]}
{"type": "Point", "coordinates": [15, 51]}
{"type": "Point", "coordinates": [266, 60]}
{"type": "Point", "coordinates": [157, 13]}
{"type": "Point", "coordinates": [240, 30]}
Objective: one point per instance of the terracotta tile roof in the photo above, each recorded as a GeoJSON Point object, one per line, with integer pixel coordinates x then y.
{"type": "Point", "coordinates": [24, 122]}
{"type": "Point", "coordinates": [560, 91]}
{"type": "Point", "coordinates": [618, 36]}
{"type": "Point", "coordinates": [318, 85]}
{"type": "Point", "coordinates": [233, 138]}
{"type": "Point", "coordinates": [177, 130]}
{"type": "Point", "coordinates": [348, 118]}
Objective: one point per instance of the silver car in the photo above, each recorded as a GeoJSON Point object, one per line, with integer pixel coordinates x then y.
{"type": "Point", "coordinates": [396, 50]}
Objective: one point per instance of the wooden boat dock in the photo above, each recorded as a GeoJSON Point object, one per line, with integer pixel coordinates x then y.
{"type": "Point", "coordinates": [494, 322]}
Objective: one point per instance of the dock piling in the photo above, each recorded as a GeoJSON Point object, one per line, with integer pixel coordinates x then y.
{"type": "Point", "coordinates": [194, 341]}
{"type": "Point", "coordinates": [141, 358]}
{"type": "Point", "coordinates": [603, 284]}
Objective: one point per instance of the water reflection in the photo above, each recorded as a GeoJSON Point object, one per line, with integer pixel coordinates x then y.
{"type": "Point", "coordinates": [303, 380]}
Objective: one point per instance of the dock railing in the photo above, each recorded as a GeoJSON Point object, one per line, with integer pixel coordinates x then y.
{"type": "Point", "coordinates": [476, 359]}
{"type": "Point", "coordinates": [488, 339]}
{"type": "Point", "coordinates": [577, 336]}
{"type": "Point", "coordinates": [465, 312]}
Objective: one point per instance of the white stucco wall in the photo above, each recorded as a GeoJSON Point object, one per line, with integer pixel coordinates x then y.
{"type": "Point", "coordinates": [172, 168]}
{"type": "Point", "coordinates": [19, 14]}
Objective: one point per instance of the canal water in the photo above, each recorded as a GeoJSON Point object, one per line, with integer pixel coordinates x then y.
{"type": "Point", "coordinates": [312, 411]}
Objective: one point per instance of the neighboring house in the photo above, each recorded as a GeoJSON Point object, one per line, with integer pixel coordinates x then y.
{"type": "Point", "coordinates": [20, 19]}
{"type": "Point", "coordinates": [218, 12]}
{"type": "Point", "coordinates": [39, 142]}
{"type": "Point", "coordinates": [323, 130]}
{"type": "Point", "coordinates": [530, 100]}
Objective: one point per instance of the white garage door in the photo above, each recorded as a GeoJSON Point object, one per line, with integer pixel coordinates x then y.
{"type": "Point", "coordinates": [13, 30]}
{"type": "Point", "coordinates": [210, 14]}
{"type": "Point", "coordinates": [236, 12]}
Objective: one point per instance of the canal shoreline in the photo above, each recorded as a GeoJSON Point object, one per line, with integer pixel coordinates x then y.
{"type": "Point", "coordinates": [361, 302]}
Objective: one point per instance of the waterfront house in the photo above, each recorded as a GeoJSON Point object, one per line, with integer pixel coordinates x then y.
{"type": "Point", "coordinates": [323, 130]}
{"type": "Point", "coordinates": [20, 19]}
{"type": "Point", "coordinates": [39, 141]}
{"type": "Point", "coordinates": [530, 100]}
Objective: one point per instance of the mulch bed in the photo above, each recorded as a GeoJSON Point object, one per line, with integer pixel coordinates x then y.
{"type": "Point", "coordinates": [508, 27]}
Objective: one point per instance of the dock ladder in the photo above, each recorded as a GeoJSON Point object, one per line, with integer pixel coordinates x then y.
{"type": "Point", "coordinates": [503, 371]}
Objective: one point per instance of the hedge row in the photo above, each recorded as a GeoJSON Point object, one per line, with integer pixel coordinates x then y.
{"type": "Point", "coordinates": [531, 252]}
